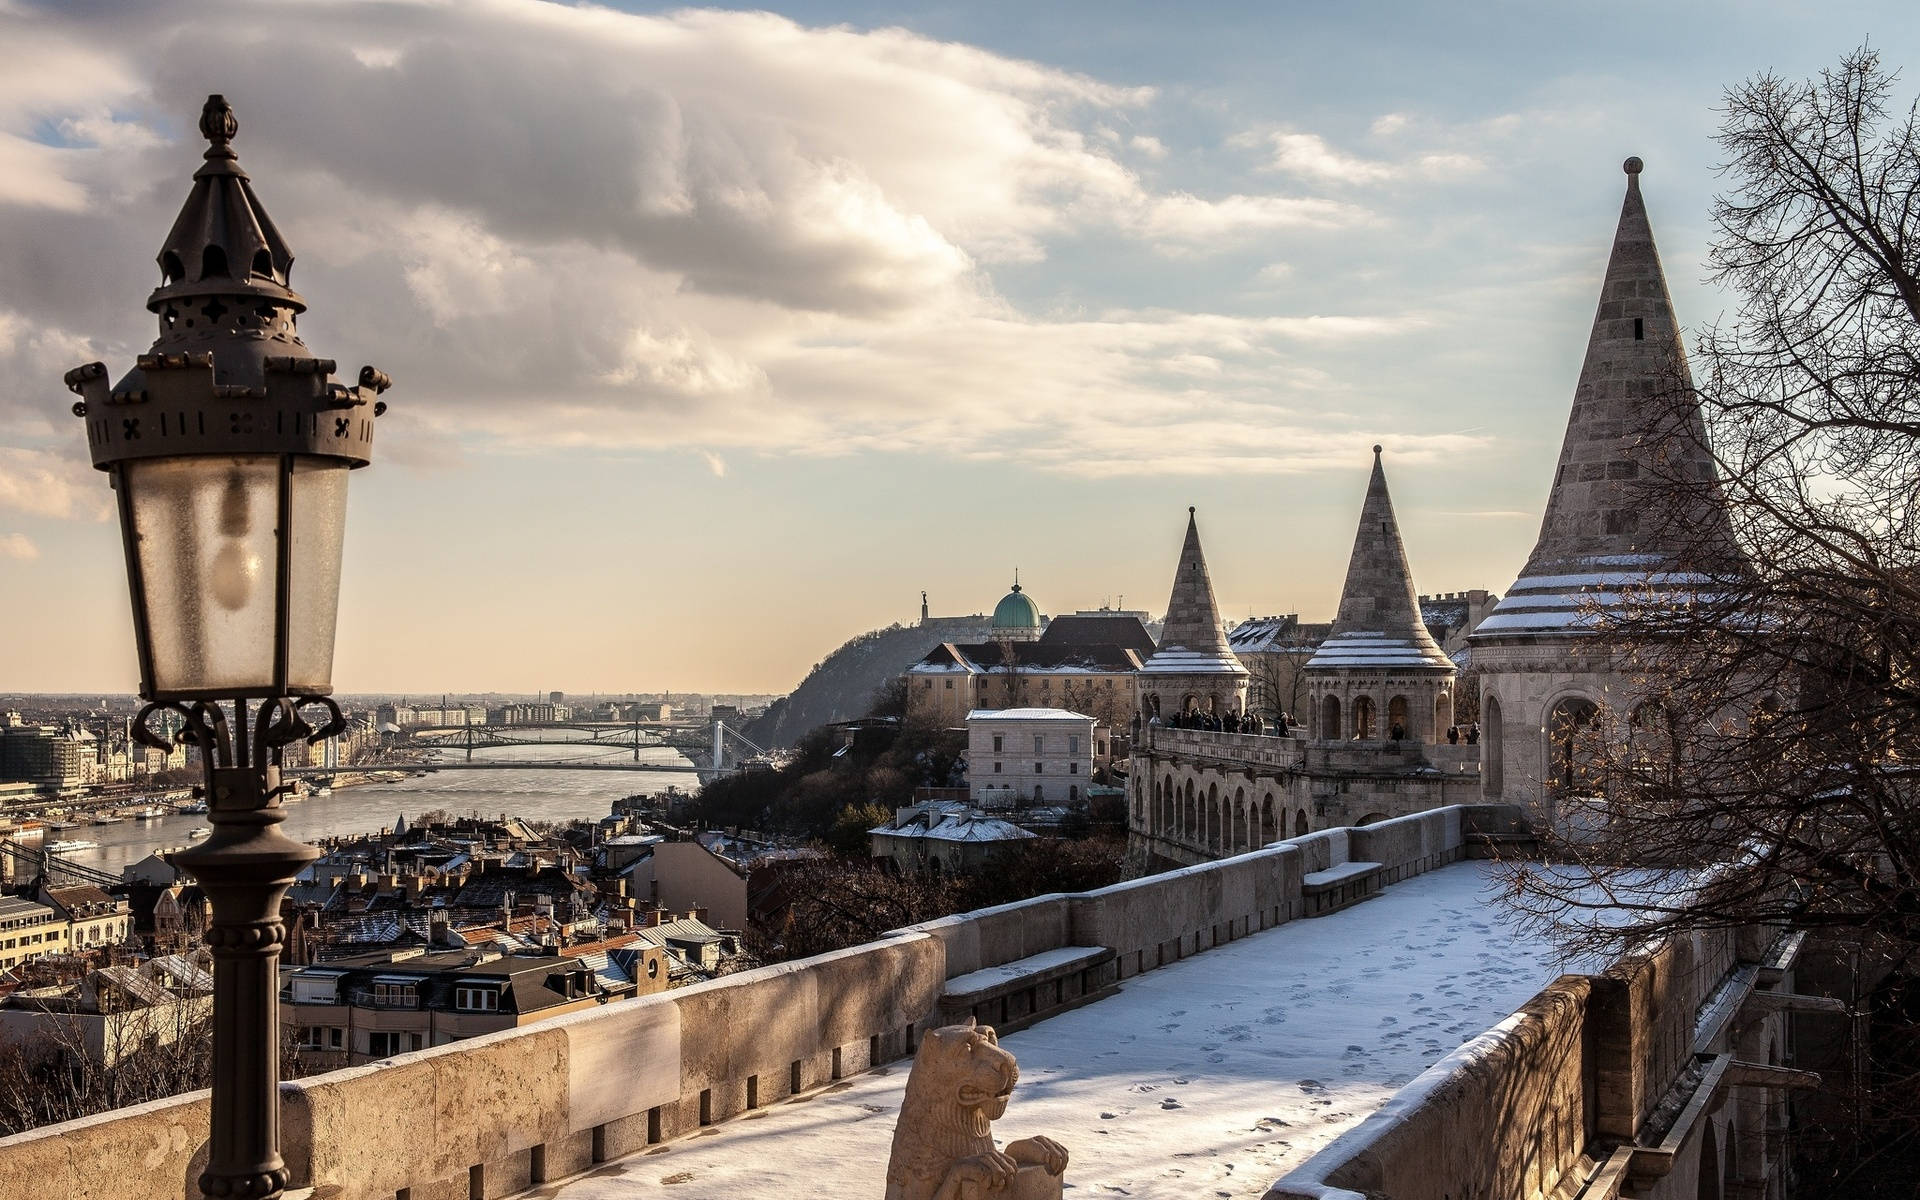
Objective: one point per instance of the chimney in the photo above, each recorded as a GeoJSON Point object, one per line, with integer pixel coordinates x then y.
{"type": "Point", "coordinates": [437, 934]}
{"type": "Point", "coordinates": [697, 913]}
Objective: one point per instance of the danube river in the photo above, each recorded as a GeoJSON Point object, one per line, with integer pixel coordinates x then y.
{"type": "Point", "coordinates": [534, 794]}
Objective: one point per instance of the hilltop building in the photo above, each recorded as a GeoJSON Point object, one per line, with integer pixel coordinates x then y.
{"type": "Point", "coordinates": [1086, 661]}
{"type": "Point", "coordinates": [1613, 525]}
{"type": "Point", "coordinates": [1017, 618]}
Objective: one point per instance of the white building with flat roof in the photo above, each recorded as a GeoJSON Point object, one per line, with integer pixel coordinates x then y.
{"type": "Point", "coordinates": [1022, 756]}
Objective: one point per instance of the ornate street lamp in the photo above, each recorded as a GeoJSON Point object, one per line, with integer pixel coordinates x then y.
{"type": "Point", "coordinates": [228, 446]}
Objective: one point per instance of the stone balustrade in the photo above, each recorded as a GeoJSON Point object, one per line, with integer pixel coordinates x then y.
{"type": "Point", "coordinates": [494, 1115]}
{"type": "Point", "coordinates": [1245, 749]}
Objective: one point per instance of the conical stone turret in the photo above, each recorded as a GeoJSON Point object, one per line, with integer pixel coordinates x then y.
{"type": "Point", "coordinates": [1379, 625]}
{"type": "Point", "coordinates": [1193, 662]}
{"type": "Point", "coordinates": [1634, 499]}
{"type": "Point", "coordinates": [1193, 619]}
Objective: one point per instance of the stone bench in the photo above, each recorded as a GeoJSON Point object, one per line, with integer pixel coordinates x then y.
{"type": "Point", "coordinates": [1014, 995]}
{"type": "Point", "coordinates": [1338, 887]}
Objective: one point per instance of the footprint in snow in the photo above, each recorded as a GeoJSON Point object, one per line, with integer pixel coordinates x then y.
{"type": "Point", "coordinates": [1312, 1087]}
{"type": "Point", "coordinates": [1171, 1103]}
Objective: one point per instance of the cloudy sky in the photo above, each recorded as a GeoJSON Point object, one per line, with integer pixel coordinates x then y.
{"type": "Point", "coordinates": [718, 335]}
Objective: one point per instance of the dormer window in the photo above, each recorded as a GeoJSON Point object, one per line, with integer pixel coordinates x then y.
{"type": "Point", "coordinates": [476, 998]}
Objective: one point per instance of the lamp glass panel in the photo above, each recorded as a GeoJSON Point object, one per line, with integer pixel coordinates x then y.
{"type": "Point", "coordinates": [204, 534]}
{"type": "Point", "coordinates": [319, 519]}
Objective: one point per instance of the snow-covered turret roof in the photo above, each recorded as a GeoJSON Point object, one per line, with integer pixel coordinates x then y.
{"type": "Point", "coordinates": [1378, 625]}
{"type": "Point", "coordinates": [1191, 640]}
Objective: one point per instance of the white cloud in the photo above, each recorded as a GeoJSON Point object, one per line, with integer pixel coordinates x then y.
{"type": "Point", "coordinates": [18, 546]}
{"type": "Point", "coordinates": [46, 484]}
{"type": "Point", "coordinates": [724, 231]}
{"type": "Point", "coordinates": [1309, 156]}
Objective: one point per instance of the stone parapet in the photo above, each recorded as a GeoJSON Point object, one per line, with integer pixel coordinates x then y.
{"type": "Point", "coordinates": [1243, 749]}
{"type": "Point", "coordinates": [1539, 1102]}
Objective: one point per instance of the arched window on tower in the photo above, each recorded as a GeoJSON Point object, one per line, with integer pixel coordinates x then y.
{"type": "Point", "coordinates": [1575, 753]}
{"type": "Point", "coordinates": [1399, 728]}
{"type": "Point", "coordinates": [1300, 823]}
{"type": "Point", "coordinates": [1653, 739]}
{"type": "Point", "coordinates": [1442, 715]}
{"type": "Point", "coordinates": [1363, 719]}
{"type": "Point", "coordinates": [1493, 737]}
{"type": "Point", "coordinates": [1330, 718]}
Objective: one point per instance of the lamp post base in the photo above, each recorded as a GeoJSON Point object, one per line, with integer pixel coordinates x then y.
{"type": "Point", "coordinates": [245, 867]}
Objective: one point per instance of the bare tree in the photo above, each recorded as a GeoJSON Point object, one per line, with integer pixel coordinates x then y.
{"type": "Point", "coordinates": [1774, 725]}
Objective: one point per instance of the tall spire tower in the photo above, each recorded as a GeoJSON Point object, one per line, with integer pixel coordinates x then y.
{"type": "Point", "coordinates": [1633, 494]}
{"type": "Point", "coordinates": [1635, 504]}
{"type": "Point", "coordinates": [1193, 668]}
{"type": "Point", "coordinates": [1379, 675]}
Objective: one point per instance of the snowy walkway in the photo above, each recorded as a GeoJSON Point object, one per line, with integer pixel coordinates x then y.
{"type": "Point", "coordinates": [1212, 1077]}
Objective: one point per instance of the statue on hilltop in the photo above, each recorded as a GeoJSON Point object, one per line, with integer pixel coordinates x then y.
{"type": "Point", "coordinates": [943, 1145]}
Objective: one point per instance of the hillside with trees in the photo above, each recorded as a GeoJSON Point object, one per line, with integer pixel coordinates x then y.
{"type": "Point", "coordinates": [842, 685]}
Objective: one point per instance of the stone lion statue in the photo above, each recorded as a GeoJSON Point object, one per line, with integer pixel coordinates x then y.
{"type": "Point", "coordinates": [943, 1145]}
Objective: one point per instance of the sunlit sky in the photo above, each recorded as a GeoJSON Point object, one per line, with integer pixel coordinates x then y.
{"type": "Point", "coordinates": [718, 335]}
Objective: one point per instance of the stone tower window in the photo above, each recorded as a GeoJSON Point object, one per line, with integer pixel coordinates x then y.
{"type": "Point", "coordinates": [1639, 329]}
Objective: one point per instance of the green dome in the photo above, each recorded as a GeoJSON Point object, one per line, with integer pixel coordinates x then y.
{"type": "Point", "coordinates": [1016, 611]}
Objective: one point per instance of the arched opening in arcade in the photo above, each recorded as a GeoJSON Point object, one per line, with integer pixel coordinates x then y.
{"type": "Point", "coordinates": [1266, 832]}
{"type": "Point", "coordinates": [1708, 1187]}
{"type": "Point", "coordinates": [1300, 823]}
{"type": "Point", "coordinates": [1371, 818]}
{"type": "Point", "coordinates": [1329, 718]}
{"type": "Point", "coordinates": [1653, 739]}
{"type": "Point", "coordinates": [1363, 720]}
{"type": "Point", "coordinates": [1398, 727]}
{"type": "Point", "coordinates": [1575, 755]}
{"type": "Point", "coordinates": [1493, 738]}
{"type": "Point", "coordinates": [1240, 835]}
{"type": "Point", "coordinates": [1442, 715]}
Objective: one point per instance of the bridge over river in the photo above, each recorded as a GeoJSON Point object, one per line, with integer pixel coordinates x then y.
{"type": "Point", "coordinates": [713, 747]}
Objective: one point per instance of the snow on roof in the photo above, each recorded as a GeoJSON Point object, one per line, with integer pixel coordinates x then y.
{"type": "Point", "coordinates": [1026, 714]}
{"type": "Point", "coordinates": [1230, 1068]}
{"type": "Point", "coordinates": [1570, 602]}
{"type": "Point", "coordinates": [1356, 649]}
{"type": "Point", "coordinates": [1178, 660]}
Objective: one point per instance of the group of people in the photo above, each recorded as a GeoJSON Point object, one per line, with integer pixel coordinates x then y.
{"type": "Point", "coordinates": [1471, 733]}
{"type": "Point", "coordinates": [1231, 721]}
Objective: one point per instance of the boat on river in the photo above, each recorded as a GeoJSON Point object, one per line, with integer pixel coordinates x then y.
{"type": "Point", "coordinates": [197, 832]}
{"type": "Point", "coordinates": [70, 847]}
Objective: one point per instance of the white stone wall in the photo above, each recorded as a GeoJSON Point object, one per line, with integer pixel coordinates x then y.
{"type": "Point", "coordinates": [1052, 754]}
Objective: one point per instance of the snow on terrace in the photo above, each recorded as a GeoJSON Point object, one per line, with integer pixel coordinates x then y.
{"type": "Point", "coordinates": [1211, 1077]}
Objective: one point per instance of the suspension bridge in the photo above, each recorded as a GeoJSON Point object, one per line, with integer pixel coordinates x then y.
{"type": "Point", "coordinates": [21, 861]}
